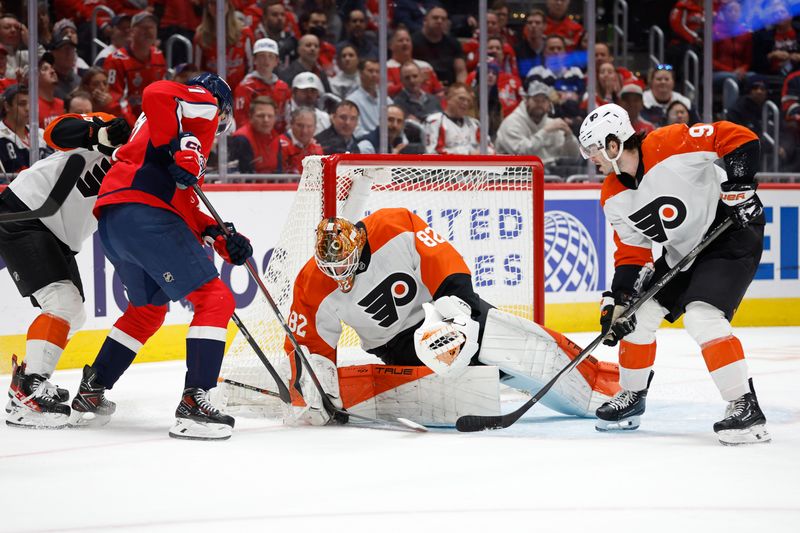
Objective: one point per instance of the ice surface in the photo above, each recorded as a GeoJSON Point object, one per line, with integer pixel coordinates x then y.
{"type": "Point", "coordinates": [546, 473]}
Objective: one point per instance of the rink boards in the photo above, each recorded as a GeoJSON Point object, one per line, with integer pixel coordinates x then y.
{"type": "Point", "coordinates": [578, 267]}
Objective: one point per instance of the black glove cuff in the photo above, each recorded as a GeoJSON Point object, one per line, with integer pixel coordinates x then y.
{"type": "Point", "coordinates": [624, 283]}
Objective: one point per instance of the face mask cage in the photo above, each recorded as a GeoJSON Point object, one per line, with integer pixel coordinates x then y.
{"type": "Point", "coordinates": [337, 251]}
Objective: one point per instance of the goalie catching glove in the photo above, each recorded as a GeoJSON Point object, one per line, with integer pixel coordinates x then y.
{"type": "Point", "coordinates": [234, 249]}
{"type": "Point", "coordinates": [188, 164]}
{"type": "Point", "coordinates": [313, 412]}
{"type": "Point", "coordinates": [448, 338]}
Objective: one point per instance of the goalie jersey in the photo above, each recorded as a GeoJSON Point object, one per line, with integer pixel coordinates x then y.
{"type": "Point", "coordinates": [74, 222]}
{"type": "Point", "coordinates": [673, 198]}
{"type": "Point", "coordinates": [404, 264]}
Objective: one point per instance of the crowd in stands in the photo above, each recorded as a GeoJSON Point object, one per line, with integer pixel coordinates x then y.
{"type": "Point", "coordinates": [305, 73]}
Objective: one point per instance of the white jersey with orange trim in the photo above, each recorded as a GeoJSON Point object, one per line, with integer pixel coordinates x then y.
{"type": "Point", "coordinates": [74, 221]}
{"type": "Point", "coordinates": [404, 264]}
{"type": "Point", "coordinates": [678, 190]}
{"type": "Point", "coordinates": [444, 135]}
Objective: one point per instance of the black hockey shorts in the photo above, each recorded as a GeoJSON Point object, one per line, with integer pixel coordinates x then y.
{"type": "Point", "coordinates": [34, 256]}
{"type": "Point", "coordinates": [719, 276]}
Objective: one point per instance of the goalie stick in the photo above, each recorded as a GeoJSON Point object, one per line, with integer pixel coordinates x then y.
{"type": "Point", "coordinates": [469, 423]}
{"type": "Point", "coordinates": [64, 184]}
{"type": "Point", "coordinates": [336, 413]}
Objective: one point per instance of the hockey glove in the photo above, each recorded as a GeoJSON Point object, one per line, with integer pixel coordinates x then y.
{"type": "Point", "coordinates": [234, 249]}
{"type": "Point", "coordinates": [189, 163]}
{"type": "Point", "coordinates": [314, 412]}
{"type": "Point", "coordinates": [741, 202]}
{"type": "Point", "coordinates": [106, 136]}
{"type": "Point", "coordinates": [610, 311]}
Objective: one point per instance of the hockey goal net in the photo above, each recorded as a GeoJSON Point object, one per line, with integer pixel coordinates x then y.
{"type": "Point", "coordinates": [490, 208]}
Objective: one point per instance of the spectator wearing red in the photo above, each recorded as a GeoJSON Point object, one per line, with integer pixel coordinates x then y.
{"type": "Point", "coordinates": [631, 100]}
{"type": "Point", "coordinates": [733, 47]}
{"type": "Point", "coordinates": [300, 142]}
{"type": "Point", "coordinates": [558, 22]}
{"type": "Point", "coordinates": [256, 144]}
{"type": "Point", "coordinates": [776, 50]}
{"type": "Point", "coordinates": [274, 25]}
{"type": "Point", "coordinates": [238, 44]}
{"type": "Point", "coordinates": [177, 17]}
{"type": "Point", "coordinates": [119, 33]}
{"type": "Point", "coordinates": [530, 49]}
{"type": "Point", "coordinates": [402, 48]}
{"type": "Point", "coordinates": [316, 23]}
{"type": "Point", "coordinates": [686, 21]}
{"type": "Point", "coordinates": [307, 61]}
{"type": "Point", "coordinates": [262, 82]}
{"type": "Point", "coordinates": [50, 106]}
{"type": "Point", "coordinates": [434, 45]}
{"type": "Point", "coordinates": [346, 79]}
{"type": "Point", "coordinates": [507, 59]}
{"type": "Point", "coordinates": [134, 67]}
{"type": "Point", "coordinates": [95, 83]}
{"type": "Point", "coordinates": [609, 84]}
{"type": "Point", "coordinates": [505, 88]}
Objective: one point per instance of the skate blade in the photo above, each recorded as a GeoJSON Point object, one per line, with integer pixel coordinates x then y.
{"type": "Point", "coordinates": [736, 437]}
{"type": "Point", "coordinates": [191, 430]}
{"type": "Point", "coordinates": [80, 419]}
{"type": "Point", "coordinates": [627, 424]}
{"type": "Point", "coordinates": [27, 419]}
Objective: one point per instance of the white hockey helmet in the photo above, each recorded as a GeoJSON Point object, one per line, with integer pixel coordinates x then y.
{"type": "Point", "coordinates": [338, 250]}
{"type": "Point", "coordinates": [608, 119]}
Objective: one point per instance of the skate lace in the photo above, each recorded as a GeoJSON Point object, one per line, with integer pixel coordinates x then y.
{"type": "Point", "coordinates": [204, 403]}
{"type": "Point", "coordinates": [42, 389]}
{"type": "Point", "coordinates": [623, 399]}
{"type": "Point", "coordinates": [736, 407]}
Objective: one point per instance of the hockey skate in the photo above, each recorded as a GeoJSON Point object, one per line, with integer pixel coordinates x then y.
{"type": "Point", "coordinates": [61, 396]}
{"type": "Point", "coordinates": [623, 411]}
{"type": "Point", "coordinates": [744, 423]}
{"type": "Point", "coordinates": [90, 406]}
{"type": "Point", "coordinates": [35, 402]}
{"type": "Point", "coordinates": [197, 419]}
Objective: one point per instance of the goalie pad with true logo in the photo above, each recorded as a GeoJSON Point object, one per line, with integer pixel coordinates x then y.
{"type": "Point", "coordinates": [531, 355]}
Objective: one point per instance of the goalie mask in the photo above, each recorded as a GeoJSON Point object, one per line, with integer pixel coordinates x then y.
{"type": "Point", "coordinates": [338, 250]}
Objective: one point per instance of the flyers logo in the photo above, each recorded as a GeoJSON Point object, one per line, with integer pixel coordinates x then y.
{"type": "Point", "coordinates": [663, 213]}
{"type": "Point", "coordinates": [382, 302]}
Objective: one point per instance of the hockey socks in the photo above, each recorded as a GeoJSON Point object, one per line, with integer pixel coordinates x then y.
{"type": "Point", "coordinates": [205, 343]}
{"type": "Point", "coordinates": [46, 340]}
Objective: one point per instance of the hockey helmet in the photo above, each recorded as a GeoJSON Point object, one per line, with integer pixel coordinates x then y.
{"type": "Point", "coordinates": [338, 249]}
{"type": "Point", "coordinates": [608, 119]}
{"type": "Point", "coordinates": [222, 92]}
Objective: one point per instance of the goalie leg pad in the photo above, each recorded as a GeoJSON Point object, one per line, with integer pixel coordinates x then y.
{"type": "Point", "coordinates": [417, 393]}
{"type": "Point", "coordinates": [531, 355]}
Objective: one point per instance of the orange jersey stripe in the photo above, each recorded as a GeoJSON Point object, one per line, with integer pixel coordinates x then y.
{"type": "Point", "coordinates": [722, 352]}
{"type": "Point", "coordinates": [636, 356]}
{"type": "Point", "coordinates": [627, 254]}
{"type": "Point", "coordinates": [50, 328]}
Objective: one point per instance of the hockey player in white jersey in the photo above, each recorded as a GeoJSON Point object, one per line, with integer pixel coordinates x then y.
{"type": "Point", "coordinates": [40, 256]}
{"type": "Point", "coordinates": [408, 294]}
{"type": "Point", "coordinates": [665, 188]}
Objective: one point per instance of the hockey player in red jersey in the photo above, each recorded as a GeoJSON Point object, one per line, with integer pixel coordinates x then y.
{"type": "Point", "coordinates": [408, 294]}
{"type": "Point", "coordinates": [153, 231]}
{"type": "Point", "coordinates": [665, 188]}
{"type": "Point", "coordinates": [40, 256]}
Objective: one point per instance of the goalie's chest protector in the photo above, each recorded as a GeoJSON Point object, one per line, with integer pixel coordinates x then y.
{"type": "Point", "coordinates": [387, 295]}
{"type": "Point", "coordinates": [74, 221]}
{"type": "Point", "coordinates": [674, 205]}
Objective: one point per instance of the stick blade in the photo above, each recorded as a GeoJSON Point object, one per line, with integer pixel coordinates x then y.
{"type": "Point", "coordinates": [472, 423]}
{"type": "Point", "coordinates": [413, 425]}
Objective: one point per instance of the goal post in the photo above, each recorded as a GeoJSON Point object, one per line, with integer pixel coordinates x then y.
{"type": "Point", "coordinates": [491, 208]}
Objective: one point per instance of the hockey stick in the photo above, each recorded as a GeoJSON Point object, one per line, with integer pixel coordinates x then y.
{"type": "Point", "coordinates": [64, 184]}
{"type": "Point", "coordinates": [469, 423]}
{"type": "Point", "coordinates": [338, 414]}
{"type": "Point", "coordinates": [389, 424]}
{"type": "Point", "coordinates": [283, 391]}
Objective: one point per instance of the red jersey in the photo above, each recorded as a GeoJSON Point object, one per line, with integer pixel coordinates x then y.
{"type": "Point", "coordinates": [266, 156]}
{"type": "Point", "coordinates": [140, 174]}
{"type": "Point", "coordinates": [254, 85]}
{"type": "Point", "coordinates": [509, 90]}
{"type": "Point", "coordinates": [180, 13]}
{"type": "Point", "coordinates": [570, 30]}
{"type": "Point", "coordinates": [430, 85]}
{"type": "Point", "coordinates": [293, 154]}
{"type": "Point", "coordinates": [48, 111]}
{"type": "Point", "coordinates": [239, 57]}
{"type": "Point", "coordinates": [128, 77]}
{"type": "Point", "coordinates": [472, 47]}
{"type": "Point", "coordinates": [686, 20]}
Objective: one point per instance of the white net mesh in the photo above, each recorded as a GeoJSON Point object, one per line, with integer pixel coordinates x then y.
{"type": "Point", "coordinates": [484, 210]}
